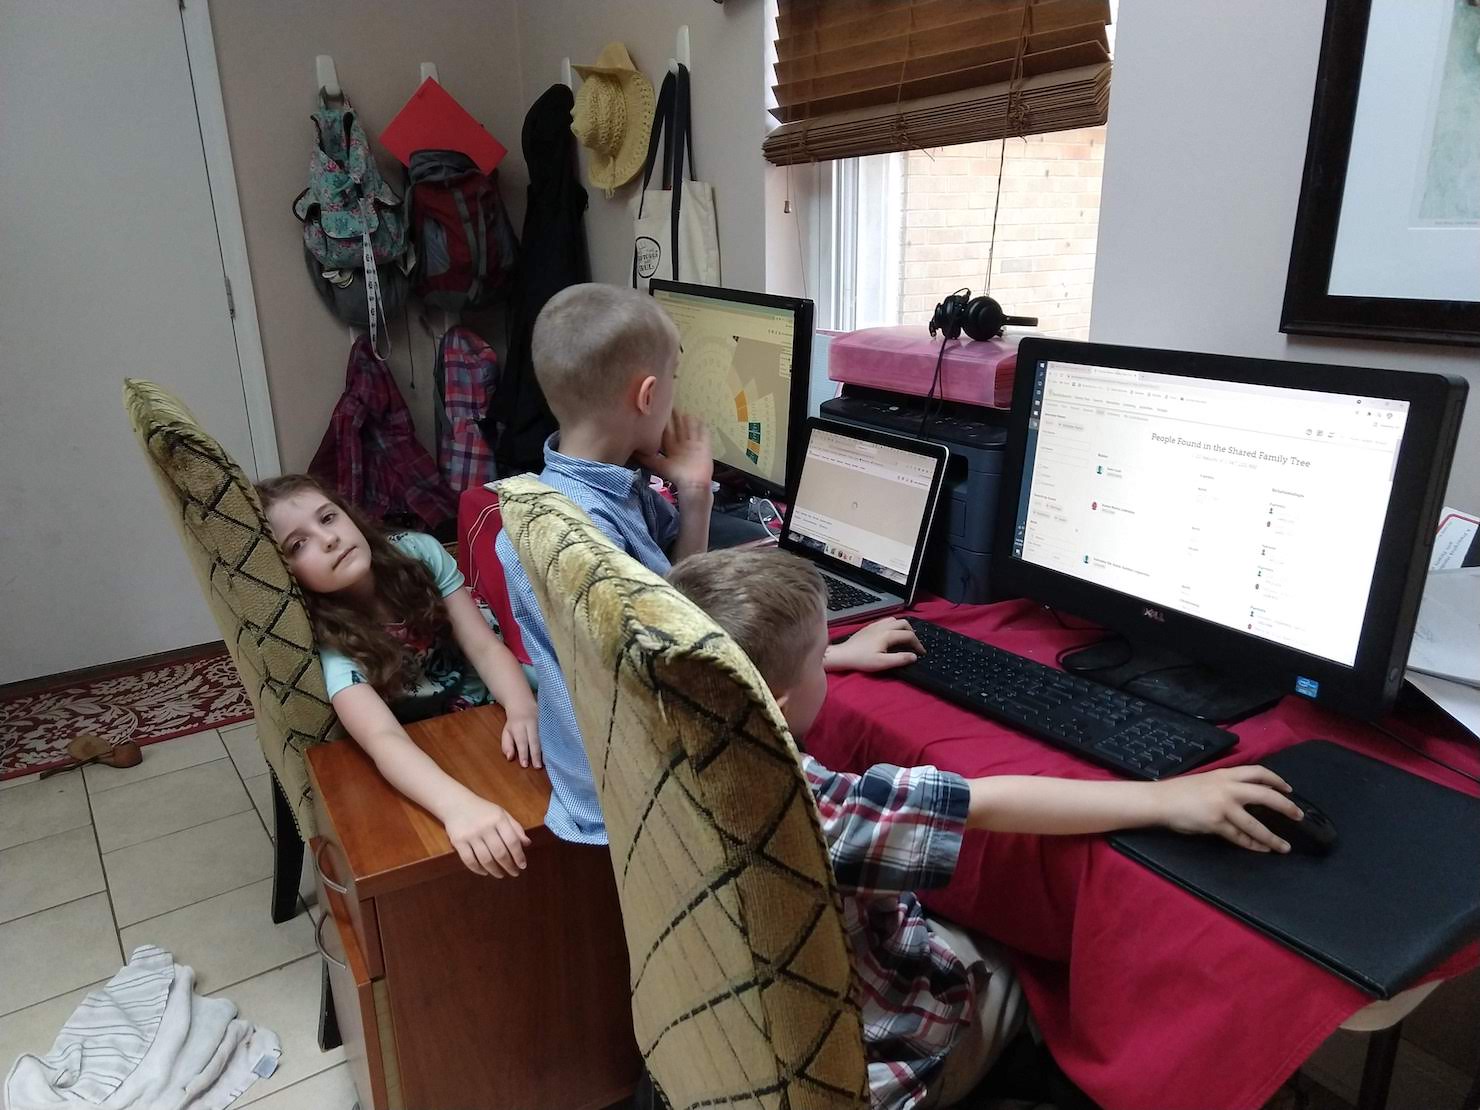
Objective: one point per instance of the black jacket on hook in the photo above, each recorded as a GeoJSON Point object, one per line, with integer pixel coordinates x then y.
{"type": "Point", "coordinates": [553, 256]}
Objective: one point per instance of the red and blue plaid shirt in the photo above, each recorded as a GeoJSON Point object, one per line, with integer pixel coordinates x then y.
{"type": "Point", "coordinates": [891, 831]}
{"type": "Point", "coordinates": [370, 454]}
{"type": "Point", "coordinates": [465, 373]}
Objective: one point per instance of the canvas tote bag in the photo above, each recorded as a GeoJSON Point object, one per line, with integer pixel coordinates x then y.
{"type": "Point", "coordinates": [675, 233]}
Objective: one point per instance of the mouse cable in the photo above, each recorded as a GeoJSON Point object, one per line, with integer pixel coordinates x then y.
{"type": "Point", "coordinates": [1419, 751]}
{"type": "Point", "coordinates": [1057, 616]}
{"type": "Point", "coordinates": [934, 381]}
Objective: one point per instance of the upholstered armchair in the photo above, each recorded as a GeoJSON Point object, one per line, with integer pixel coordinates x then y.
{"type": "Point", "coordinates": [257, 606]}
{"type": "Point", "coordinates": [741, 981]}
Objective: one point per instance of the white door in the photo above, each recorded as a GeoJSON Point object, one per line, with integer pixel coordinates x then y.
{"type": "Point", "coordinates": [110, 267]}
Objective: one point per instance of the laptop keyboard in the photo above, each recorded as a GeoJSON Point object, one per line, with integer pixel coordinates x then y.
{"type": "Point", "coordinates": [841, 595]}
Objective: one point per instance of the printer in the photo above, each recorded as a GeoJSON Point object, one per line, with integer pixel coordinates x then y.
{"type": "Point", "coordinates": [889, 382]}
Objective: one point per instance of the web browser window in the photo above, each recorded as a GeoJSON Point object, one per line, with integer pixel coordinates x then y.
{"type": "Point", "coordinates": [862, 503]}
{"type": "Point", "coordinates": [735, 371]}
{"type": "Point", "coordinates": [1257, 507]}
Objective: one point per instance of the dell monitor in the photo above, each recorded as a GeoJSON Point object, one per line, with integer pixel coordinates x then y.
{"type": "Point", "coordinates": [743, 366]}
{"type": "Point", "coordinates": [1270, 519]}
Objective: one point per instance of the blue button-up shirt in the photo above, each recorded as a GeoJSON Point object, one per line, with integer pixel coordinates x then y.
{"type": "Point", "coordinates": [640, 522]}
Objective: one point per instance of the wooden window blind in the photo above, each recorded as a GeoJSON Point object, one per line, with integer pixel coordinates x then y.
{"type": "Point", "coordinates": [856, 77]}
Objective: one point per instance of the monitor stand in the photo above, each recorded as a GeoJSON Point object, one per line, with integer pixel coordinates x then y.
{"type": "Point", "coordinates": [1169, 679]}
{"type": "Point", "coordinates": [730, 523]}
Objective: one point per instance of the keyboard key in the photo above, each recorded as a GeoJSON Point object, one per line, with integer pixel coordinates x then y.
{"type": "Point", "coordinates": [842, 595]}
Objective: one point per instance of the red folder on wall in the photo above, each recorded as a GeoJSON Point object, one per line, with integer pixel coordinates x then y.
{"type": "Point", "coordinates": [433, 120]}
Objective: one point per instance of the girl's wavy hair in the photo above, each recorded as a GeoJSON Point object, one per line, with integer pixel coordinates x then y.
{"type": "Point", "coordinates": [403, 583]}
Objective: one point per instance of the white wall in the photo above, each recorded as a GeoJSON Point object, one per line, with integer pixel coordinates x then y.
{"type": "Point", "coordinates": [111, 269]}
{"type": "Point", "coordinates": [1209, 113]}
{"type": "Point", "coordinates": [265, 50]}
{"type": "Point", "coordinates": [728, 87]}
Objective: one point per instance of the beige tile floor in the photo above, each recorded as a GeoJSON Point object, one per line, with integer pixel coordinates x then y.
{"type": "Point", "coordinates": [173, 852]}
{"type": "Point", "coordinates": [176, 852]}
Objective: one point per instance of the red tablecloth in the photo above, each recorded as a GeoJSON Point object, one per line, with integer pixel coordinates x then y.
{"type": "Point", "coordinates": [1147, 996]}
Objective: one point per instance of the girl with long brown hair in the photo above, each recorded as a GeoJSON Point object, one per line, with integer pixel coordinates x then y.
{"type": "Point", "coordinates": [400, 638]}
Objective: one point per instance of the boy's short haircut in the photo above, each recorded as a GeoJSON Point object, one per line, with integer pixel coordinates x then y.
{"type": "Point", "coordinates": [771, 603]}
{"type": "Point", "coordinates": [590, 340]}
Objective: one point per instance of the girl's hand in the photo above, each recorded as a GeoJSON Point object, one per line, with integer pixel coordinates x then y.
{"type": "Point", "coordinates": [1215, 801]}
{"type": "Point", "coordinates": [880, 646]}
{"type": "Point", "coordinates": [522, 737]}
{"type": "Point", "coordinates": [489, 841]}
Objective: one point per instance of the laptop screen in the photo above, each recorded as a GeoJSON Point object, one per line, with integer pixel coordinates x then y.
{"type": "Point", "coordinates": [862, 503]}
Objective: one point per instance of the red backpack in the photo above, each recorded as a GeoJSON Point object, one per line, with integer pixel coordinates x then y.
{"type": "Point", "coordinates": [465, 244]}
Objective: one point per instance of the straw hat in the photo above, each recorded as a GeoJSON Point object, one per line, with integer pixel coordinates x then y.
{"type": "Point", "coordinates": [612, 117]}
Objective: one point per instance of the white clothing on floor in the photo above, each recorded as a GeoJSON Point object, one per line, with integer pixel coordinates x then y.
{"type": "Point", "coordinates": [146, 1041]}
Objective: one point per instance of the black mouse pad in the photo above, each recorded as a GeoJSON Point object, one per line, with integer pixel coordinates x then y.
{"type": "Point", "coordinates": [1398, 892]}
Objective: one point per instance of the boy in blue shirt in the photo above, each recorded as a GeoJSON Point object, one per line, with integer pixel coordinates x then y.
{"type": "Point", "coordinates": [606, 359]}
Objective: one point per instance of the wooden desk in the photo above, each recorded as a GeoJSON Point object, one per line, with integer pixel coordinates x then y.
{"type": "Point", "coordinates": [455, 990]}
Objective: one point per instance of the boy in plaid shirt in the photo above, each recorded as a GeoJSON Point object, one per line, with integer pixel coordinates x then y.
{"type": "Point", "coordinates": [938, 1005]}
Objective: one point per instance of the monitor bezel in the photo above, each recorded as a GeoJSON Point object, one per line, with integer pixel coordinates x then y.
{"type": "Point", "coordinates": [938, 453]}
{"type": "Point", "coordinates": [803, 311]}
{"type": "Point", "coordinates": [1368, 686]}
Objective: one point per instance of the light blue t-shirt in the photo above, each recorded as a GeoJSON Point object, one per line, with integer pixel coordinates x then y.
{"type": "Point", "coordinates": [620, 503]}
{"type": "Point", "coordinates": [443, 680]}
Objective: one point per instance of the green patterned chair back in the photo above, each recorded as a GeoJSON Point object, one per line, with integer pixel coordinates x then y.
{"type": "Point", "coordinates": [254, 600]}
{"type": "Point", "coordinates": [741, 982]}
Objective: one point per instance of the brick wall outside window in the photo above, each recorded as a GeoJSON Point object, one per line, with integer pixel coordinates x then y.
{"type": "Point", "coordinates": [1044, 261]}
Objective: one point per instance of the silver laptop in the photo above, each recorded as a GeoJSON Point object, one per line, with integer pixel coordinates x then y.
{"type": "Point", "coordinates": [861, 511]}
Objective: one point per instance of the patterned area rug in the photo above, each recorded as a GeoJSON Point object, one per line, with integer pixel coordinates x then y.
{"type": "Point", "coordinates": [156, 702]}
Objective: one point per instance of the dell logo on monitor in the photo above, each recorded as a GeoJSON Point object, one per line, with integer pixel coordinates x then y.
{"type": "Point", "coordinates": [1154, 614]}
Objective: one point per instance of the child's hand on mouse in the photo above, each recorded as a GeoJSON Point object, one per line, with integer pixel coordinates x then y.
{"type": "Point", "coordinates": [489, 841]}
{"type": "Point", "coordinates": [1216, 801]}
{"type": "Point", "coordinates": [687, 459]}
{"type": "Point", "coordinates": [521, 737]}
{"type": "Point", "coordinates": [880, 646]}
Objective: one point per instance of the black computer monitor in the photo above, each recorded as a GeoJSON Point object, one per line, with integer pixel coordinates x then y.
{"type": "Point", "coordinates": [744, 366]}
{"type": "Point", "coordinates": [1271, 518]}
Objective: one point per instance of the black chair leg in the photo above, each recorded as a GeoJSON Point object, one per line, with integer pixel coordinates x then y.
{"type": "Point", "coordinates": [329, 1038]}
{"type": "Point", "coordinates": [287, 864]}
{"type": "Point", "coordinates": [1472, 1100]}
{"type": "Point", "coordinates": [648, 1096]}
{"type": "Point", "coordinates": [1377, 1071]}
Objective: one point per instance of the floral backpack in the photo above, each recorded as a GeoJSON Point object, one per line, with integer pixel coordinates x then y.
{"type": "Point", "coordinates": [352, 220]}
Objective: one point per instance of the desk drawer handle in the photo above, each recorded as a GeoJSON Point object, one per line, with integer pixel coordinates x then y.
{"type": "Point", "coordinates": [318, 942]}
{"type": "Point", "coordinates": [319, 870]}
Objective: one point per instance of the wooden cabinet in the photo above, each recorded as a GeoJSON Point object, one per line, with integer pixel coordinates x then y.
{"type": "Point", "coordinates": [455, 990]}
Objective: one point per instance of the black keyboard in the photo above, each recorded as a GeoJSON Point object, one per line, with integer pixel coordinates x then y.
{"type": "Point", "coordinates": [1106, 726]}
{"type": "Point", "coordinates": [841, 595]}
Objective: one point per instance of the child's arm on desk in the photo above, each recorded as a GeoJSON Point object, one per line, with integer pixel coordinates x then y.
{"type": "Point", "coordinates": [498, 668]}
{"type": "Point", "coordinates": [1211, 802]}
{"type": "Point", "coordinates": [489, 841]}
{"type": "Point", "coordinates": [687, 463]}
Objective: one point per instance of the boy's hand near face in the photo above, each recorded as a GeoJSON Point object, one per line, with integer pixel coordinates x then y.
{"type": "Point", "coordinates": [686, 460]}
{"type": "Point", "coordinates": [880, 646]}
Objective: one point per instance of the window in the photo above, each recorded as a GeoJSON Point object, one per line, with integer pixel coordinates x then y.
{"type": "Point", "coordinates": [909, 228]}
{"type": "Point", "coordinates": [890, 234]}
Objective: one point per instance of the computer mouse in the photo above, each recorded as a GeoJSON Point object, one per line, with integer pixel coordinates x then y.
{"type": "Point", "coordinates": [1314, 835]}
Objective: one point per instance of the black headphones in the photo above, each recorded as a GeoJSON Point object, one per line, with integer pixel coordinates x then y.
{"type": "Point", "coordinates": [978, 317]}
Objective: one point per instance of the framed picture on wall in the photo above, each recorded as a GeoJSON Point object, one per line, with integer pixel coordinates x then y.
{"type": "Point", "coordinates": [1387, 235]}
